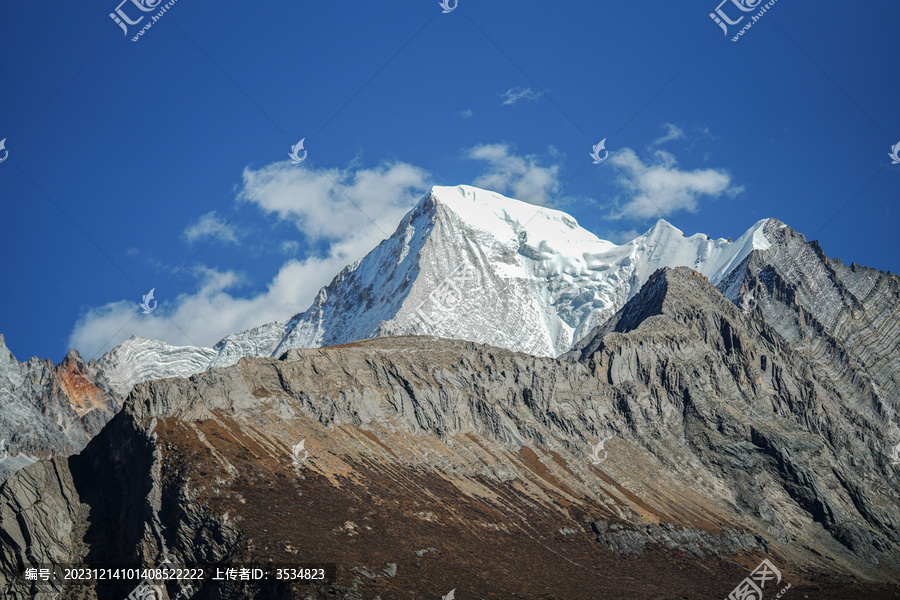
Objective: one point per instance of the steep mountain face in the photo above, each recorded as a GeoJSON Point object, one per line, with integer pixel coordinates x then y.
{"type": "Point", "coordinates": [474, 265]}
{"type": "Point", "coordinates": [47, 409]}
{"type": "Point", "coordinates": [844, 319]}
{"type": "Point", "coordinates": [432, 465]}
{"type": "Point", "coordinates": [464, 264]}
{"type": "Point", "coordinates": [833, 462]}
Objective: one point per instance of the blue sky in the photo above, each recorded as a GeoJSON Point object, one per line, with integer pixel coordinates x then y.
{"type": "Point", "coordinates": [125, 156]}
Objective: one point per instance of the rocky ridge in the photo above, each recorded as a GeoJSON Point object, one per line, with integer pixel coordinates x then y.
{"type": "Point", "coordinates": [49, 409]}
{"type": "Point", "coordinates": [437, 464]}
{"type": "Point", "coordinates": [844, 319]}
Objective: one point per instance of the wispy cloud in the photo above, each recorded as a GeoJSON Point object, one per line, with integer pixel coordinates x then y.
{"type": "Point", "coordinates": [513, 95]}
{"type": "Point", "coordinates": [465, 114]}
{"type": "Point", "coordinates": [673, 132]}
{"type": "Point", "coordinates": [691, 136]}
{"type": "Point", "coordinates": [289, 247]}
{"type": "Point", "coordinates": [659, 187]}
{"type": "Point", "coordinates": [210, 226]}
{"type": "Point", "coordinates": [518, 176]}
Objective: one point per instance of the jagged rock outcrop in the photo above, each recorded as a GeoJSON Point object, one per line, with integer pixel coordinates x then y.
{"type": "Point", "coordinates": [844, 319]}
{"type": "Point", "coordinates": [49, 410]}
{"type": "Point", "coordinates": [436, 464]}
{"type": "Point", "coordinates": [826, 460]}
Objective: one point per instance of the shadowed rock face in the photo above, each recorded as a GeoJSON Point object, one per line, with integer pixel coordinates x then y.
{"type": "Point", "coordinates": [435, 465]}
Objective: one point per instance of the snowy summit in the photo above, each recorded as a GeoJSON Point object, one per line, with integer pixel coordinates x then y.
{"type": "Point", "coordinates": [469, 264]}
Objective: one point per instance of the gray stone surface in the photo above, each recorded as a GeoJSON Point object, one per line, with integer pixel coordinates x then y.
{"type": "Point", "coordinates": [725, 440]}
{"type": "Point", "coordinates": [48, 410]}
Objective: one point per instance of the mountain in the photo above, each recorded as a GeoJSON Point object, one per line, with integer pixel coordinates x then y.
{"type": "Point", "coordinates": [843, 318]}
{"type": "Point", "coordinates": [465, 264]}
{"type": "Point", "coordinates": [139, 359]}
{"type": "Point", "coordinates": [49, 409]}
{"type": "Point", "coordinates": [473, 265]}
{"type": "Point", "coordinates": [433, 464]}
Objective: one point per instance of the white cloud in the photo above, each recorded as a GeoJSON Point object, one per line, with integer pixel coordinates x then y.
{"type": "Point", "coordinates": [289, 247]}
{"type": "Point", "coordinates": [661, 188]}
{"type": "Point", "coordinates": [518, 176]}
{"type": "Point", "coordinates": [673, 132]}
{"type": "Point", "coordinates": [321, 211]}
{"type": "Point", "coordinates": [210, 226]}
{"type": "Point", "coordinates": [466, 114]}
{"type": "Point", "coordinates": [335, 204]}
{"type": "Point", "coordinates": [513, 95]}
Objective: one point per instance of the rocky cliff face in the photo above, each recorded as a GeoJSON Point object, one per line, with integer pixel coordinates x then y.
{"type": "Point", "coordinates": [432, 465]}
{"type": "Point", "coordinates": [843, 319]}
{"type": "Point", "coordinates": [831, 454]}
{"type": "Point", "coordinates": [47, 409]}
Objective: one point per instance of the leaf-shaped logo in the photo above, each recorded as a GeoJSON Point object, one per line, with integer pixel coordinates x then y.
{"type": "Point", "coordinates": [748, 302]}
{"type": "Point", "coordinates": [296, 159]}
{"type": "Point", "coordinates": [895, 154]}
{"type": "Point", "coordinates": [595, 455]}
{"type": "Point", "coordinates": [146, 302]}
{"type": "Point", "coordinates": [445, 4]}
{"type": "Point", "coordinates": [596, 153]}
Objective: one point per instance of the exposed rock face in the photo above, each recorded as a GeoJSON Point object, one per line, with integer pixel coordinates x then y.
{"type": "Point", "coordinates": [845, 319]}
{"type": "Point", "coordinates": [89, 395]}
{"type": "Point", "coordinates": [828, 457]}
{"type": "Point", "coordinates": [49, 410]}
{"type": "Point", "coordinates": [437, 464]}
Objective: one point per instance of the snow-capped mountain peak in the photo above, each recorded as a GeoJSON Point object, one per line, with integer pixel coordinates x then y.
{"type": "Point", "coordinates": [471, 264]}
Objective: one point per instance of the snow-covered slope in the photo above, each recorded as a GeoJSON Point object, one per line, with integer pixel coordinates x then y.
{"type": "Point", "coordinates": [474, 265]}
{"type": "Point", "coordinates": [468, 264]}
{"type": "Point", "coordinates": [139, 359]}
